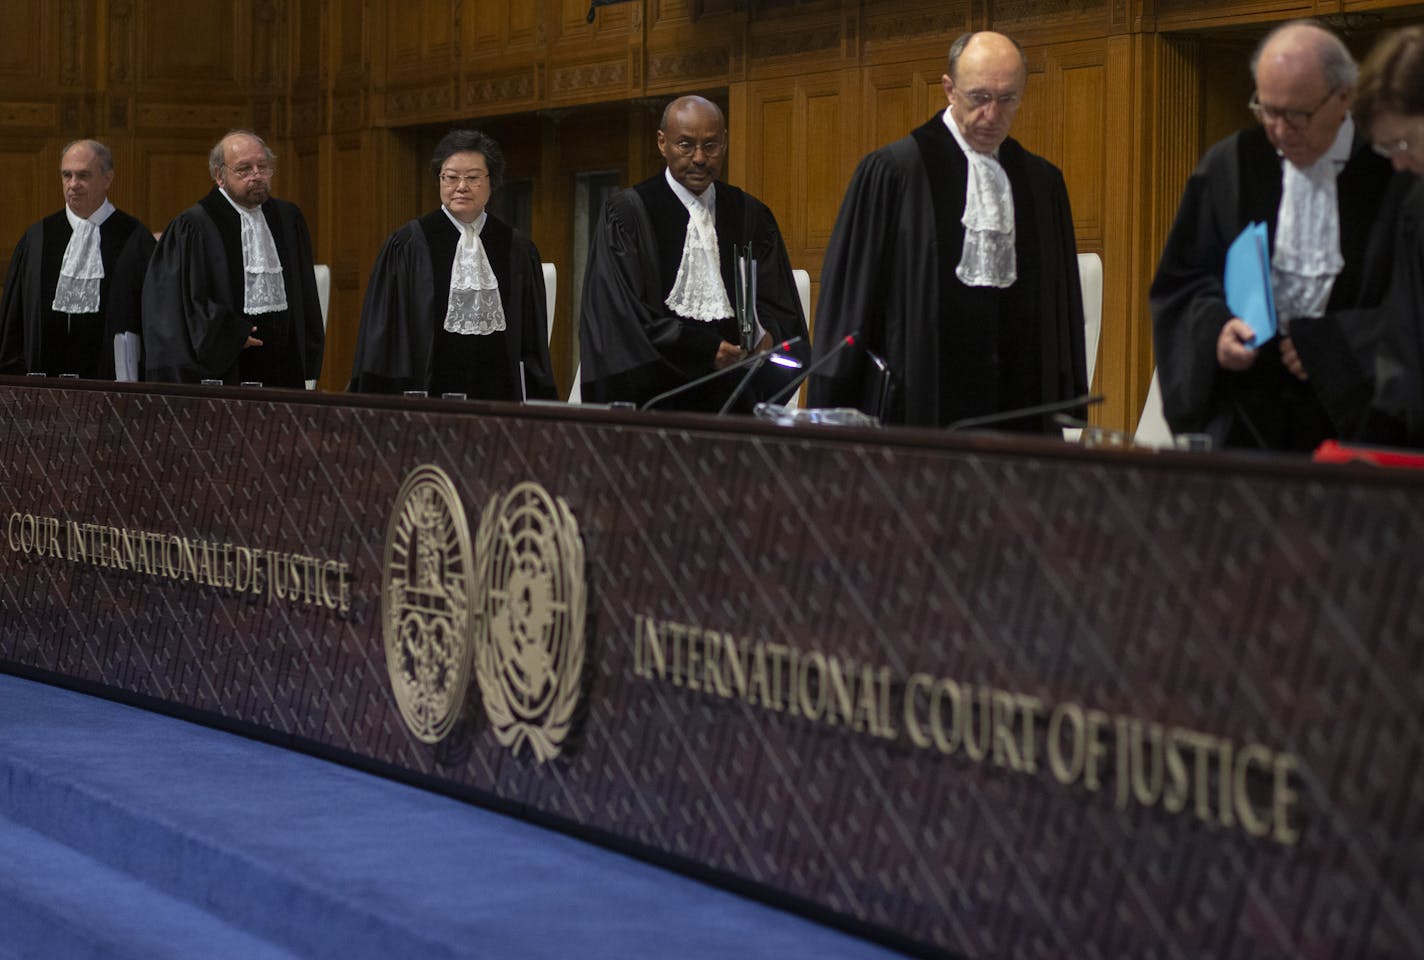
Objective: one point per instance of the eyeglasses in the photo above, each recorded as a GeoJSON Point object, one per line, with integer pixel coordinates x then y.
{"type": "Point", "coordinates": [1389, 148]}
{"type": "Point", "coordinates": [1295, 119]}
{"type": "Point", "coordinates": [711, 149]}
{"type": "Point", "coordinates": [248, 171]}
{"type": "Point", "coordinates": [471, 180]}
{"type": "Point", "coordinates": [979, 99]}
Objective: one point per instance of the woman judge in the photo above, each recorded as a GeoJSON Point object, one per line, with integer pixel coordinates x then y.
{"type": "Point", "coordinates": [1389, 107]}
{"type": "Point", "coordinates": [456, 299]}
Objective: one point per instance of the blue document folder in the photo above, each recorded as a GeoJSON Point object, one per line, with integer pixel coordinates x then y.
{"type": "Point", "coordinates": [1248, 281]}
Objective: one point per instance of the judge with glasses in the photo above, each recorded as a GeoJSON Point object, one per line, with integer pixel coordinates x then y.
{"type": "Point", "coordinates": [455, 305]}
{"type": "Point", "coordinates": [1310, 176]}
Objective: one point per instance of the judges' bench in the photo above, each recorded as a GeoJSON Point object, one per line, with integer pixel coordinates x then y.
{"type": "Point", "coordinates": [968, 694]}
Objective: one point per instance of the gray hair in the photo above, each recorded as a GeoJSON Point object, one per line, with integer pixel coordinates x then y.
{"type": "Point", "coordinates": [217, 159]}
{"type": "Point", "coordinates": [1337, 67]}
{"type": "Point", "coordinates": [103, 154]}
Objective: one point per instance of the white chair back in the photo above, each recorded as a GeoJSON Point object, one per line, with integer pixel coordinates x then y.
{"type": "Point", "coordinates": [551, 289]}
{"type": "Point", "coordinates": [1152, 429]}
{"type": "Point", "coordinates": [1090, 276]}
{"type": "Point", "coordinates": [323, 297]}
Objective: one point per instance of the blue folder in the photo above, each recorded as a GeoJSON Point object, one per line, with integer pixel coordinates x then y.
{"type": "Point", "coordinates": [1248, 281]}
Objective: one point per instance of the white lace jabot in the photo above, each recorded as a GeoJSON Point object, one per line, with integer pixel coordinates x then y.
{"type": "Point", "coordinates": [82, 269]}
{"type": "Point", "coordinates": [1307, 258]}
{"type": "Point", "coordinates": [988, 258]}
{"type": "Point", "coordinates": [263, 288]}
{"type": "Point", "coordinates": [473, 307]}
{"type": "Point", "coordinates": [698, 291]}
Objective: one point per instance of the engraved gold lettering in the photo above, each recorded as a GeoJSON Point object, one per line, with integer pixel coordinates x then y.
{"type": "Point", "coordinates": [946, 741]}
{"type": "Point", "coordinates": [1283, 799]}
{"type": "Point", "coordinates": [1097, 750]}
{"type": "Point", "coordinates": [812, 697]}
{"type": "Point", "coordinates": [757, 687]}
{"type": "Point", "coordinates": [1006, 752]}
{"type": "Point", "coordinates": [972, 707]}
{"type": "Point", "coordinates": [917, 682]}
{"type": "Point", "coordinates": [1251, 821]}
{"type": "Point", "coordinates": [838, 699]}
{"type": "Point", "coordinates": [1066, 770]}
{"type": "Point", "coordinates": [733, 656]}
{"type": "Point", "coordinates": [694, 657]}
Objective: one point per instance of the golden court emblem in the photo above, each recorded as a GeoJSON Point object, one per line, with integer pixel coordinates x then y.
{"type": "Point", "coordinates": [425, 603]}
{"type": "Point", "coordinates": [529, 624]}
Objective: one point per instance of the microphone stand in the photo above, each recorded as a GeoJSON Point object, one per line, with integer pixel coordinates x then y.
{"type": "Point", "coordinates": [744, 362]}
{"type": "Point", "coordinates": [789, 389]}
{"type": "Point", "coordinates": [1003, 416]}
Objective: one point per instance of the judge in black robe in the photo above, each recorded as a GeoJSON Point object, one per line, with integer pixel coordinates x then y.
{"type": "Point", "coordinates": [953, 351]}
{"type": "Point", "coordinates": [1389, 105]}
{"type": "Point", "coordinates": [1238, 182]}
{"type": "Point", "coordinates": [36, 338]}
{"type": "Point", "coordinates": [194, 324]}
{"type": "Point", "coordinates": [633, 346]}
{"type": "Point", "coordinates": [403, 343]}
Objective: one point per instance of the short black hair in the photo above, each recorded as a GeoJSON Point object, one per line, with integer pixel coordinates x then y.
{"type": "Point", "coordinates": [470, 141]}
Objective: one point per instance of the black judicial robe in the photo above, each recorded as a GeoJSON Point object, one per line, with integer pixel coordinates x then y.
{"type": "Point", "coordinates": [953, 351]}
{"type": "Point", "coordinates": [36, 339]}
{"type": "Point", "coordinates": [1399, 366]}
{"type": "Point", "coordinates": [403, 344]}
{"type": "Point", "coordinates": [632, 346]}
{"type": "Point", "coordinates": [194, 327]}
{"type": "Point", "coordinates": [1239, 182]}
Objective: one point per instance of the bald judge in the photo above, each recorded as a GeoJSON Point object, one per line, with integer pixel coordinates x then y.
{"type": "Point", "coordinates": [953, 257]}
{"type": "Point", "coordinates": [72, 292]}
{"type": "Point", "coordinates": [231, 293]}
{"type": "Point", "coordinates": [658, 299]}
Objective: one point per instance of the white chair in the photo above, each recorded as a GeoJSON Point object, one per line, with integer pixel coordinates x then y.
{"type": "Point", "coordinates": [551, 289]}
{"type": "Point", "coordinates": [323, 296]}
{"type": "Point", "coordinates": [576, 393]}
{"type": "Point", "coordinates": [1152, 429]}
{"type": "Point", "coordinates": [1090, 278]}
{"type": "Point", "coordinates": [803, 293]}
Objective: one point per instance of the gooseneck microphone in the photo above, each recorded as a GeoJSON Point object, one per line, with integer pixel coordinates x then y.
{"type": "Point", "coordinates": [1038, 409]}
{"type": "Point", "coordinates": [746, 361]}
{"type": "Point", "coordinates": [847, 341]}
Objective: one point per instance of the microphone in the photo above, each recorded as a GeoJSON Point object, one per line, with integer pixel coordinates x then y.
{"type": "Point", "coordinates": [774, 355]}
{"type": "Point", "coordinates": [744, 362]}
{"type": "Point", "coordinates": [789, 389]}
{"type": "Point", "coordinates": [1003, 416]}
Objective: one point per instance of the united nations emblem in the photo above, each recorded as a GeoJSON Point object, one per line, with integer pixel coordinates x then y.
{"type": "Point", "coordinates": [529, 646]}
{"type": "Point", "coordinates": [425, 603]}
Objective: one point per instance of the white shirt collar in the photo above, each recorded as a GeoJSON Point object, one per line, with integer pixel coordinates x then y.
{"type": "Point", "coordinates": [478, 223]}
{"type": "Point", "coordinates": [707, 199]}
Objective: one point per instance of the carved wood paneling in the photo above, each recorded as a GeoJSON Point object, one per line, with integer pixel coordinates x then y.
{"type": "Point", "coordinates": [174, 177]}
{"type": "Point", "coordinates": [30, 169]}
{"type": "Point", "coordinates": [185, 44]}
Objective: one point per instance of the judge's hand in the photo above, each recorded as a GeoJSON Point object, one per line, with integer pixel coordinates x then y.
{"type": "Point", "coordinates": [1292, 359]}
{"type": "Point", "coordinates": [1233, 345]}
{"type": "Point", "coordinates": [727, 354]}
{"type": "Point", "coordinates": [251, 340]}
{"type": "Point", "coordinates": [765, 343]}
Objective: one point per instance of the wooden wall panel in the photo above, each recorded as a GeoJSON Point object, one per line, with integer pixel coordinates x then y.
{"type": "Point", "coordinates": [172, 177]}
{"type": "Point", "coordinates": [189, 45]}
{"type": "Point", "coordinates": [27, 48]}
{"type": "Point", "coordinates": [30, 171]}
